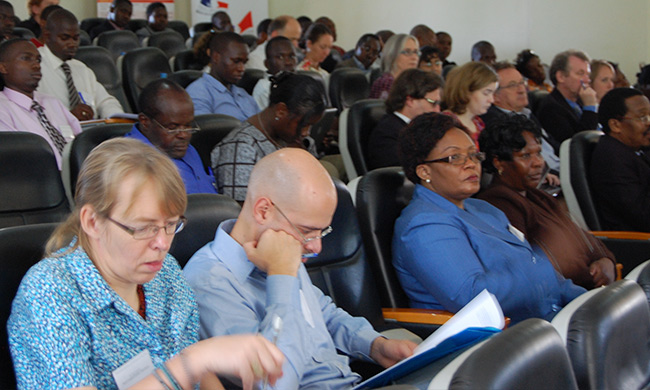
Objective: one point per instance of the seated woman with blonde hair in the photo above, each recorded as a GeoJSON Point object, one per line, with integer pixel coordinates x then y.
{"type": "Point", "coordinates": [108, 296]}
{"type": "Point", "coordinates": [448, 247]}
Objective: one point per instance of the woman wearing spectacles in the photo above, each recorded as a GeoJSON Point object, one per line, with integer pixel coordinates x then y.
{"type": "Point", "coordinates": [414, 92]}
{"type": "Point", "coordinates": [448, 247]}
{"type": "Point", "coordinates": [108, 296]}
{"type": "Point", "coordinates": [401, 52]}
{"type": "Point", "coordinates": [469, 92]}
{"type": "Point", "coordinates": [513, 148]}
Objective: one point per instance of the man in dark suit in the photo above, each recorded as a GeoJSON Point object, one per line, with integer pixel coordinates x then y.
{"type": "Point", "coordinates": [511, 98]}
{"type": "Point", "coordinates": [572, 105]}
{"type": "Point", "coordinates": [413, 93]}
{"type": "Point", "coordinates": [119, 16]}
{"type": "Point", "coordinates": [620, 170]}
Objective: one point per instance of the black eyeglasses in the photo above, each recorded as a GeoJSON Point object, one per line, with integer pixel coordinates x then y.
{"type": "Point", "coordinates": [459, 158]}
{"type": "Point", "coordinates": [150, 231]}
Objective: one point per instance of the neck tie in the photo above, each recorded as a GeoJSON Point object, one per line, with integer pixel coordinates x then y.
{"type": "Point", "coordinates": [73, 95]}
{"type": "Point", "coordinates": [54, 134]}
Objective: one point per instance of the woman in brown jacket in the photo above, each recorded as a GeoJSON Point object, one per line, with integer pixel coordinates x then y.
{"type": "Point", "coordinates": [513, 152]}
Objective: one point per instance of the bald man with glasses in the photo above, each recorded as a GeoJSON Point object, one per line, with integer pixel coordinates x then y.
{"type": "Point", "coordinates": [251, 278]}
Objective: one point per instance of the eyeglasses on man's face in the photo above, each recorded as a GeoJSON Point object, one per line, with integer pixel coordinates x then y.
{"type": "Point", "coordinates": [303, 236]}
{"type": "Point", "coordinates": [177, 129]}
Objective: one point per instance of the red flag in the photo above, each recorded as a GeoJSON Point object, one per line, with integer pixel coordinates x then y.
{"type": "Point", "coordinates": [246, 22]}
{"type": "Point", "coordinates": [221, 4]}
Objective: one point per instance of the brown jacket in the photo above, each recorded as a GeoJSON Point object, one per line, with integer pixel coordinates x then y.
{"type": "Point", "coordinates": [546, 224]}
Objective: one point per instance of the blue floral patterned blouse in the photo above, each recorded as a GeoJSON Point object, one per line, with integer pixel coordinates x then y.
{"type": "Point", "coordinates": [68, 328]}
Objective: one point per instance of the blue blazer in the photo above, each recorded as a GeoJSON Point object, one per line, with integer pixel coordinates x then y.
{"type": "Point", "coordinates": [444, 256]}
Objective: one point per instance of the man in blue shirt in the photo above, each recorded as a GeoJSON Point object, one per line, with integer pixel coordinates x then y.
{"type": "Point", "coordinates": [251, 279]}
{"type": "Point", "coordinates": [167, 123]}
{"type": "Point", "coordinates": [216, 92]}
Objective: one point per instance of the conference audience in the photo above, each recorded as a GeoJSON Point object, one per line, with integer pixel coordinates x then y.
{"type": "Point", "coordinates": [119, 15]}
{"type": "Point", "coordinates": [448, 247]}
{"type": "Point", "coordinates": [156, 21]}
{"type": "Point", "coordinates": [483, 51]}
{"type": "Point", "coordinates": [425, 35]}
{"type": "Point", "coordinates": [39, 41]}
{"type": "Point", "coordinates": [221, 22]}
{"type": "Point", "coordinates": [319, 40]}
{"type": "Point", "coordinates": [430, 60]}
{"type": "Point", "coordinates": [282, 26]}
{"type": "Point", "coordinates": [444, 45]}
{"type": "Point", "coordinates": [364, 55]}
{"type": "Point", "coordinates": [399, 53]}
{"type": "Point", "coordinates": [217, 92]}
{"type": "Point", "coordinates": [280, 57]}
{"type": "Point", "coordinates": [469, 92]}
{"type": "Point", "coordinates": [7, 22]}
{"type": "Point", "coordinates": [620, 167]}
{"type": "Point", "coordinates": [295, 104]}
{"type": "Point", "coordinates": [108, 292]}
{"type": "Point", "coordinates": [35, 7]}
{"type": "Point", "coordinates": [336, 53]}
{"type": "Point", "coordinates": [414, 92]}
{"type": "Point", "coordinates": [513, 152]}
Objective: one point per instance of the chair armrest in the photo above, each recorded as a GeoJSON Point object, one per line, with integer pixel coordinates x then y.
{"type": "Point", "coordinates": [421, 316]}
{"type": "Point", "coordinates": [622, 235]}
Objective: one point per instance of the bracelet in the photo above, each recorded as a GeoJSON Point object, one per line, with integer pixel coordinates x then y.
{"type": "Point", "coordinates": [171, 378]}
{"type": "Point", "coordinates": [186, 368]}
{"type": "Point", "coordinates": [162, 382]}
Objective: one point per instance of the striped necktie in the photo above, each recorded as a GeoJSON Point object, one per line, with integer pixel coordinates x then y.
{"type": "Point", "coordinates": [52, 131]}
{"type": "Point", "coordinates": [73, 95]}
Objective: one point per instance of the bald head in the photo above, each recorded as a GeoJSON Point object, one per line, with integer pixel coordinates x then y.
{"type": "Point", "coordinates": [285, 26]}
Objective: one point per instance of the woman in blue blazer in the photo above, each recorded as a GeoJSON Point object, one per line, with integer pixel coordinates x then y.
{"type": "Point", "coordinates": [448, 247]}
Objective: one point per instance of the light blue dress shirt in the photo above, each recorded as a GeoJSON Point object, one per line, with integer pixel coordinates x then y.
{"type": "Point", "coordinates": [212, 97]}
{"type": "Point", "coordinates": [235, 297]}
{"type": "Point", "coordinates": [444, 256]}
{"type": "Point", "coordinates": [68, 328]}
{"type": "Point", "coordinates": [190, 166]}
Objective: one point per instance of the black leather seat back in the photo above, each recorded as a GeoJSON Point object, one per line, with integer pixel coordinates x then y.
{"type": "Point", "coordinates": [382, 194]}
{"type": "Point", "coordinates": [185, 60]}
{"type": "Point", "coordinates": [318, 77]}
{"type": "Point", "coordinates": [581, 148]}
{"type": "Point", "coordinates": [22, 32]}
{"type": "Point", "coordinates": [20, 248]}
{"type": "Point", "coordinates": [214, 127]}
{"type": "Point", "coordinates": [85, 142]}
{"type": "Point", "coordinates": [136, 24]}
{"type": "Point", "coordinates": [341, 270]}
{"type": "Point", "coordinates": [201, 28]}
{"type": "Point", "coordinates": [362, 119]}
{"type": "Point", "coordinates": [118, 42]}
{"type": "Point", "coordinates": [249, 80]}
{"type": "Point", "coordinates": [139, 68]}
{"type": "Point", "coordinates": [644, 281]}
{"type": "Point", "coordinates": [100, 60]}
{"type": "Point", "coordinates": [535, 98]}
{"type": "Point", "coordinates": [530, 355]}
{"type": "Point", "coordinates": [185, 77]}
{"type": "Point", "coordinates": [204, 214]}
{"type": "Point", "coordinates": [89, 23]}
{"type": "Point", "coordinates": [180, 27]}
{"type": "Point", "coordinates": [608, 339]}
{"type": "Point", "coordinates": [170, 42]}
{"type": "Point", "coordinates": [32, 189]}
{"type": "Point", "coordinates": [84, 39]}
{"type": "Point", "coordinates": [347, 86]}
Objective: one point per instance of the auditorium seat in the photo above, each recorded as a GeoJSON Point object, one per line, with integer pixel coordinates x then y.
{"type": "Point", "coordinates": [32, 189]}
{"type": "Point", "coordinates": [347, 86]}
{"type": "Point", "coordinates": [316, 76]}
{"type": "Point", "coordinates": [214, 127]}
{"type": "Point", "coordinates": [101, 62]}
{"type": "Point", "coordinates": [535, 97]}
{"type": "Point", "coordinates": [88, 23]}
{"type": "Point", "coordinates": [170, 42]}
{"type": "Point", "coordinates": [607, 336]}
{"type": "Point", "coordinates": [250, 78]}
{"type": "Point", "coordinates": [200, 28]}
{"type": "Point", "coordinates": [136, 24]}
{"type": "Point", "coordinates": [85, 142]}
{"type": "Point", "coordinates": [251, 41]}
{"type": "Point", "coordinates": [118, 42]}
{"type": "Point", "coordinates": [139, 68]}
{"type": "Point", "coordinates": [22, 32]}
{"type": "Point", "coordinates": [180, 27]}
{"type": "Point", "coordinates": [185, 77]}
{"type": "Point", "coordinates": [204, 214]}
{"type": "Point", "coordinates": [355, 126]}
{"type": "Point", "coordinates": [185, 60]}
{"type": "Point", "coordinates": [20, 248]}
{"type": "Point", "coordinates": [530, 355]}
{"type": "Point", "coordinates": [84, 39]}
{"type": "Point", "coordinates": [641, 275]}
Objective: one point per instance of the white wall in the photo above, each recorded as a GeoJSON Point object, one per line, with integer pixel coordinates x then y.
{"type": "Point", "coordinates": [616, 31]}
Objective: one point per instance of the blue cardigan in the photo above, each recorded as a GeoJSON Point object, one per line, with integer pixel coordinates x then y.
{"type": "Point", "coordinates": [444, 256]}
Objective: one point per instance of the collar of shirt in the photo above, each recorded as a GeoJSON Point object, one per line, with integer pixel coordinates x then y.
{"type": "Point", "coordinates": [212, 81]}
{"type": "Point", "coordinates": [402, 117]}
{"type": "Point", "coordinates": [49, 57]}
{"type": "Point", "coordinates": [137, 134]}
{"type": "Point", "coordinates": [525, 112]}
{"type": "Point", "coordinates": [230, 252]}
{"type": "Point", "coordinates": [359, 64]}
{"type": "Point", "coordinates": [115, 26]}
{"type": "Point", "coordinates": [19, 98]}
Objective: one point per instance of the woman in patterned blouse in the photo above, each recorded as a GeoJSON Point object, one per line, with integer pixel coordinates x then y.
{"type": "Point", "coordinates": [109, 297]}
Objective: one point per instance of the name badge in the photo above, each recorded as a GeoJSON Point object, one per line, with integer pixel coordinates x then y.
{"type": "Point", "coordinates": [516, 232]}
{"type": "Point", "coordinates": [133, 371]}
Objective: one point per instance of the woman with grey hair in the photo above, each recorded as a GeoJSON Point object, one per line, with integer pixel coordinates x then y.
{"type": "Point", "coordinates": [400, 52]}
